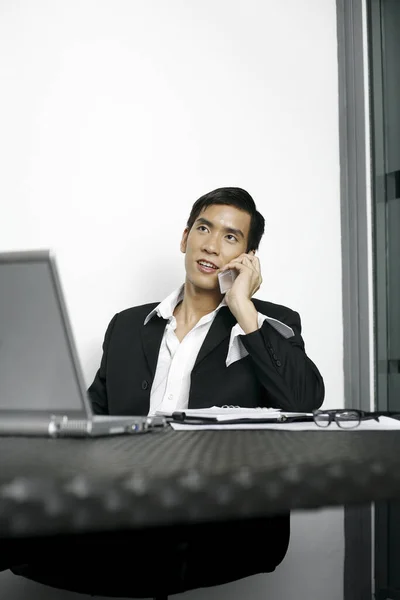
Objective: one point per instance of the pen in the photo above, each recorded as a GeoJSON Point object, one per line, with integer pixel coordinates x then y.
{"type": "Point", "coordinates": [184, 418]}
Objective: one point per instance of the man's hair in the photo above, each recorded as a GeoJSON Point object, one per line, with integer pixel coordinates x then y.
{"type": "Point", "coordinates": [232, 196]}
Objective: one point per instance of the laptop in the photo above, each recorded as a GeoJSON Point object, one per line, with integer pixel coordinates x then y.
{"type": "Point", "coordinates": [42, 390]}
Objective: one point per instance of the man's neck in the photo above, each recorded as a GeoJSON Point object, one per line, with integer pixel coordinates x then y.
{"type": "Point", "coordinates": [196, 303]}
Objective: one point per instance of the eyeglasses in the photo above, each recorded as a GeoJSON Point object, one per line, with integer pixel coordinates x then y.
{"type": "Point", "coordinates": [346, 418]}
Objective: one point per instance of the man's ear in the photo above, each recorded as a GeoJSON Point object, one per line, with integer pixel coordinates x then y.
{"type": "Point", "coordinates": [184, 240]}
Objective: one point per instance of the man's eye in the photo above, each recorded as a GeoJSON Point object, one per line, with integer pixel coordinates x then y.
{"type": "Point", "coordinates": [202, 227]}
{"type": "Point", "coordinates": [233, 238]}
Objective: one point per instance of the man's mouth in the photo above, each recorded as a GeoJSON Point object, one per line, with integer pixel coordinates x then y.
{"type": "Point", "coordinates": [206, 266]}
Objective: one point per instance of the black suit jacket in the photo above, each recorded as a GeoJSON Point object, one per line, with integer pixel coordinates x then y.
{"type": "Point", "coordinates": [276, 373]}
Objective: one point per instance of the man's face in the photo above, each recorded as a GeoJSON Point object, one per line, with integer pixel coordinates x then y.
{"type": "Point", "coordinates": [218, 235]}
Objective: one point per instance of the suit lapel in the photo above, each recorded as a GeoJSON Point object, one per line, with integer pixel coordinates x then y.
{"type": "Point", "coordinates": [152, 334]}
{"type": "Point", "coordinates": [219, 330]}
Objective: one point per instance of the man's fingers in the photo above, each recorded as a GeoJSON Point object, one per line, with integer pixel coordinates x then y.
{"type": "Point", "coordinates": [253, 262]}
{"type": "Point", "coordinates": [246, 259]}
{"type": "Point", "coordinates": [257, 265]}
{"type": "Point", "coordinates": [235, 264]}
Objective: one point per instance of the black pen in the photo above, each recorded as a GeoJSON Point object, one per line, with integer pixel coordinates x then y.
{"type": "Point", "coordinates": [182, 417]}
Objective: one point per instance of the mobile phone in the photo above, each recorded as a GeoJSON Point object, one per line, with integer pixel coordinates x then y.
{"type": "Point", "coordinates": [226, 280]}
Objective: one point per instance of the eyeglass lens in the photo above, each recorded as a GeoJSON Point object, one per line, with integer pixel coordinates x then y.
{"type": "Point", "coordinates": [322, 419]}
{"type": "Point", "coordinates": [347, 419]}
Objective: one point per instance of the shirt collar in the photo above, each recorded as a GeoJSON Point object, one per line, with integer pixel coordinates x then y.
{"type": "Point", "coordinates": [165, 310]}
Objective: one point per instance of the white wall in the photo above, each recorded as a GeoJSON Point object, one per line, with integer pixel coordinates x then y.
{"type": "Point", "coordinates": [116, 115]}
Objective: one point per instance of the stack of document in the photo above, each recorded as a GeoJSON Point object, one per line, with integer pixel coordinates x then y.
{"type": "Point", "coordinates": [220, 418]}
{"type": "Point", "coordinates": [233, 414]}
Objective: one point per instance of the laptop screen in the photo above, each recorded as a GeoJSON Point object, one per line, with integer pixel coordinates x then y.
{"type": "Point", "coordinates": [37, 371]}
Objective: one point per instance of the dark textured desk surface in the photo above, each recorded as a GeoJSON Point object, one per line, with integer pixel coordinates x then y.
{"type": "Point", "coordinates": [76, 485]}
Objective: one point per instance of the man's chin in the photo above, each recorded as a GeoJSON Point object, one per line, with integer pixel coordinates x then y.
{"type": "Point", "coordinates": [202, 283]}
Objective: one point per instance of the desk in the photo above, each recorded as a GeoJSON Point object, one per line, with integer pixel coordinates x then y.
{"type": "Point", "coordinates": [50, 487]}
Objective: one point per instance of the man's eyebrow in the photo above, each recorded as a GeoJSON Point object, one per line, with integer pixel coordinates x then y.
{"type": "Point", "coordinates": [203, 221]}
{"type": "Point", "coordinates": [237, 232]}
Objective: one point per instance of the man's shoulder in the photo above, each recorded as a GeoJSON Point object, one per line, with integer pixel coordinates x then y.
{"type": "Point", "coordinates": [137, 312]}
{"type": "Point", "coordinates": [270, 309]}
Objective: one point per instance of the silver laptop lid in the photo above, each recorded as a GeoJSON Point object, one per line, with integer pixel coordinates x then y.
{"type": "Point", "coordinates": [39, 368]}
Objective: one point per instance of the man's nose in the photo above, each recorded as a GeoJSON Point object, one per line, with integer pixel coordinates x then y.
{"type": "Point", "coordinates": [211, 245]}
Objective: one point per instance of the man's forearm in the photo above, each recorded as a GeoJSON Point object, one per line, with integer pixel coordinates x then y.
{"type": "Point", "coordinates": [290, 378]}
{"type": "Point", "coordinates": [246, 315]}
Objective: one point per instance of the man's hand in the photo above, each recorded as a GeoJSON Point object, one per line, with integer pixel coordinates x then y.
{"type": "Point", "coordinates": [246, 284]}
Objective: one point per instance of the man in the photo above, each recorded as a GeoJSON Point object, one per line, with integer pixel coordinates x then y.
{"type": "Point", "coordinates": [196, 348]}
{"type": "Point", "coordinates": [199, 348]}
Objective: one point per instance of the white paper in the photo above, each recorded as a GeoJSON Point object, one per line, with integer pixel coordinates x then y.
{"type": "Point", "coordinates": [385, 424]}
{"type": "Point", "coordinates": [229, 413]}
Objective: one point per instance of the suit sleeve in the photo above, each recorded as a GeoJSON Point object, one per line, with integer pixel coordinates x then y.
{"type": "Point", "coordinates": [290, 380]}
{"type": "Point", "coordinates": [98, 390]}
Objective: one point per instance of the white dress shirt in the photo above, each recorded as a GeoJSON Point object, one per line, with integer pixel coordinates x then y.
{"type": "Point", "coordinates": [171, 385]}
